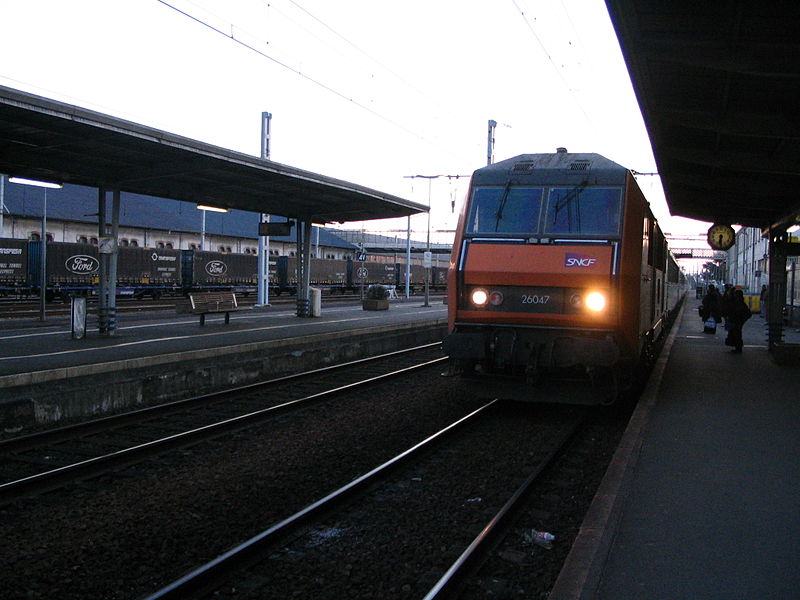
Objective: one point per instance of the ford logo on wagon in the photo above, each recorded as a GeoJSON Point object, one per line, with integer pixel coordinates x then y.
{"type": "Point", "coordinates": [81, 264]}
{"type": "Point", "coordinates": [216, 268]}
{"type": "Point", "coordinates": [578, 260]}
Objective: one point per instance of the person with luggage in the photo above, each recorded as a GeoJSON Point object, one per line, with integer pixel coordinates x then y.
{"type": "Point", "coordinates": [711, 309]}
{"type": "Point", "coordinates": [738, 313]}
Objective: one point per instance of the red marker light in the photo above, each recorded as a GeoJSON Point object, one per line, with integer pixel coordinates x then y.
{"type": "Point", "coordinates": [495, 298]}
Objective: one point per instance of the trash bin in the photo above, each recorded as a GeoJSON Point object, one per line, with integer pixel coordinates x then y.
{"type": "Point", "coordinates": [753, 302]}
{"type": "Point", "coordinates": [315, 295]}
{"type": "Point", "coordinates": [78, 321]}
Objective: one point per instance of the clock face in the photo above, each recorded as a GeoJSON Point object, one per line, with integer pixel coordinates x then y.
{"type": "Point", "coordinates": [721, 237]}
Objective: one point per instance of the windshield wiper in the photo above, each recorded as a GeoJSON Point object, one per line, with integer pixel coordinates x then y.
{"type": "Point", "coordinates": [566, 201]}
{"type": "Point", "coordinates": [500, 208]}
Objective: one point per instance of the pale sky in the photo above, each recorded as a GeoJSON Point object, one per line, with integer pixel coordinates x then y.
{"type": "Point", "coordinates": [367, 91]}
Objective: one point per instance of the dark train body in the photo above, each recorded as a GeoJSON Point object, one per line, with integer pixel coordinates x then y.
{"type": "Point", "coordinates": [560, 282]}
{"type": "Point", "coordinates": [73, 269]}
{"type": "Point", "coordinates": [342, 276]}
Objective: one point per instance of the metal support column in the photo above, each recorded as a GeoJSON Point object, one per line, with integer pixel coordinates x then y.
{"type": "Point", "coordinates": [304, 230]}
{"type": "Point", "coordinates": [490, 142]}
{"type": "Point", "coordinates": [408, 257]}
{"type": "Point", "coordinates": [791, 294]}
{"type": "Point", "coordinates": [309, 230]}
{"type": "Point", "coordinates": [263, 266]}
{"type": "Point", "coordinates": [778, 241]}
{"type": "Point", "coordinates": [102, 291]}
{"type": "Point", "coordinates": [2, 202]}
{"type": "Point", "coordinates": [428, 251]}
{"type": "Point", "coordinates": [43, 263]}
{"type": "Point", "coordinates": [112, 247]}
{"type": "Point", "coordinates": [263, 241]}
{"type": "Point", "coordinates": [303, 305]}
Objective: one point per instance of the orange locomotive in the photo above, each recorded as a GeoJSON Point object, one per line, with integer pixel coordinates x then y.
{"type": "Point", "coordinates": [560, 278]}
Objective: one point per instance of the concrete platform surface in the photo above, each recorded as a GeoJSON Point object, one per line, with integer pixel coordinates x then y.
{"type": "Point", "coordinates": [47, 377]}
{"type": "Point", "coordinates": [27, 347]}
{"type": "Point", "coordinates": [702, 499]}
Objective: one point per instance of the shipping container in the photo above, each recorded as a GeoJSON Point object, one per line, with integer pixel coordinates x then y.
{"type": "Point", "coordinates": [327, 274]}
{"type": "Point", "coordinates": [13, 266]}
{"type": "Point", "coordinates": [439, 277]}
{"type": "Point", "coordinates": [72, 269]}
{"type": "Point", "coordinates": [204, 270]}
{"type": "Point", "coordinates": [370, 273]}
{"type": "Point", "coordinates": [148, 271]}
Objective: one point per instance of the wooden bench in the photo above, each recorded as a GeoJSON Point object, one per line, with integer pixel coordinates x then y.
{"type": "Point", "coordinates": [210, 302]}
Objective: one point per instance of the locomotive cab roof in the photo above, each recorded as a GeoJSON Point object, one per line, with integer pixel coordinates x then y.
{"type": "Point", "coordinates": [560, 167]}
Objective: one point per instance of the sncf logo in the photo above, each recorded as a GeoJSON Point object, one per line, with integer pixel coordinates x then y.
{"type": "Point", "coordinates": [578, 260]}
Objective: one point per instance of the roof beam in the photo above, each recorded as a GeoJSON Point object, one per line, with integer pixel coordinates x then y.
{"type": "Point", "coordinates": [760, 59]}
{"type": "Point", "coordinates": [761, 125]}
{"type": "Point", "coordinates": [755, 162]}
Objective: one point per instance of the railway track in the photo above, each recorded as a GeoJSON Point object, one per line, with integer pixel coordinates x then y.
{"type": "Point", "coordinates": [429, 493]}
{"type": "Point", "coordinates": [46, 460]}
{"type": "Point", "coordinates": [131, 533]}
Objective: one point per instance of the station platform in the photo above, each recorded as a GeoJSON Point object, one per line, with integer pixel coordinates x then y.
{"type": "Point", "coordinates": [47, 376]}
{"type": "Point", "coordinates": [701, 498]}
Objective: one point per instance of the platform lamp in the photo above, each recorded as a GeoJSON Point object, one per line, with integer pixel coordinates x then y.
{"type": "Point", "coordinates": [43, 259]}
{"type": "Point", "coordinates": [205, 208]}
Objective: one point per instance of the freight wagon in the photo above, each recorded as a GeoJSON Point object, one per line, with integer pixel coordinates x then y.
{"type": "Point", "coordinates": [330, 274]}
{"type": "Point", "coordinates": [341, 276]}
{"type": "Point", "coordinates": [73, 269]}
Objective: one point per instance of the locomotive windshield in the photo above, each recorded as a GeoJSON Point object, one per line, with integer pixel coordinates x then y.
{"type": "Point", "coordinates": [505, 210]}
{"type": "Point", "coordinates": [583, 211]}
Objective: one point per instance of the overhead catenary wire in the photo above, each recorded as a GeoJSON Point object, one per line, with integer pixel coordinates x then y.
{"type": "Point", "coordinates": [367, 55]}
{"type": "Point", "coordinates": [553, 63]}
{"type": "Point", "coordinates": [231, 36]}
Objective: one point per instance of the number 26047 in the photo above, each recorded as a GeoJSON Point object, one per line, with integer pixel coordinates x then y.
{"type": "Point", "coordinates": [535, 299]}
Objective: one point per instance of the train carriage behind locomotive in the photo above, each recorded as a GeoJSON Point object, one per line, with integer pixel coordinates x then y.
{"type": "Point", "coordinates": [560, 279]}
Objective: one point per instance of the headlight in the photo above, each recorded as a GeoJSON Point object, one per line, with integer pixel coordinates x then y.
{"type": "Point", "coordinates": [479, 297]}
{"type": "Point", "coordinates": [595, 301]}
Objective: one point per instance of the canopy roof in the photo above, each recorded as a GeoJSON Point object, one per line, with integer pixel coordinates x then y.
{"type": "Point", "coordinates": [718, 84]}
{"type": "Point", "coordinates": [52, 141]}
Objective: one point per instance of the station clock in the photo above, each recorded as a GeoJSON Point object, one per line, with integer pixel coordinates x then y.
{"type": "Point", "coordinates": [721, 237]}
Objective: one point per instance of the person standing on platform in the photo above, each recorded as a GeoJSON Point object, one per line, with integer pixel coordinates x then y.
{"type": "Point", "coordinates": [725, 304]}
{"type": "Point", "coordinates": [710, 308]}
{"type": "Point", "coordinates": [738, 313]}
{"type": "Point", "coordinates": [762, 309]}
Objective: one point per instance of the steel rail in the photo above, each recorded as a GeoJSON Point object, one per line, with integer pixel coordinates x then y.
{"type": "Point", "coordinates": [101, 464]}
{"type": "Point", "coordinates": [68, 432]}
{"type": "Point", "coordinates": [213, 573]}
{"type": "Point", "coordinates": [463, 566]}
